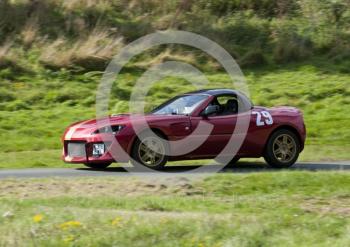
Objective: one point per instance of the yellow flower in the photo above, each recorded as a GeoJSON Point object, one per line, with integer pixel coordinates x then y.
{"type": "Point", "coordinates": [38, 218]}
{"type": "Point", "coordinates": [70, 224]}
{"type": "Point", "coordinates": [69, 238]}
{"type": "Point", "coordinates": [116, 221]}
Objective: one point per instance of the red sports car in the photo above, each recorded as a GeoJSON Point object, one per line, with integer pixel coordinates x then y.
{"type": "Point", "coordinates": [277, 134]}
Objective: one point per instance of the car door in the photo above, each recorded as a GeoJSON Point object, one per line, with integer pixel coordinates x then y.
{"type": "Point", "coordinates": [223, 125]}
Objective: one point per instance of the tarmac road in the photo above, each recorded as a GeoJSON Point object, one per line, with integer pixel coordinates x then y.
{"type": "Point", "coordinates": [242, 167]}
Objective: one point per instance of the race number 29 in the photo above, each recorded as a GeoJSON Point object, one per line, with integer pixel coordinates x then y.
{"type": "Point", "coordinates": [262, 118]}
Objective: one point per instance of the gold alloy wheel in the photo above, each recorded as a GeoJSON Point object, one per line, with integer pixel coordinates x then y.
{"type": "Point", "coordinates": [151, 151]}
{"type": "Point", "coordinates": [284, 148]}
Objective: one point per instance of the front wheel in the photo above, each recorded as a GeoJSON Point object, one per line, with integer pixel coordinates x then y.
{"type": "Point", "coordinates": [282, 149]}
{"type": "Point", "coordinates": [98, 166]}
{"type": "Point", "coordinates": [150, 151]}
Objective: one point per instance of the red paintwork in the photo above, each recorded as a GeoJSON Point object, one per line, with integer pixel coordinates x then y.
{"type": "Point", "coordinates": [175, 127]}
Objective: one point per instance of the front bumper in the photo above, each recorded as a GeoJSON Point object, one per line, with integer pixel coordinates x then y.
{"type": "Point", "coordinates": [85, 155]}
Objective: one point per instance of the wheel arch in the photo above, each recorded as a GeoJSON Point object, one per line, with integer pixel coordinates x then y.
{"type": "Point", "coordinates": [155, 130]}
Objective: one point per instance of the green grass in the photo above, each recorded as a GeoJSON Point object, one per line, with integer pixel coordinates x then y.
{"type": "Point", "coordinates": [34, 159]}
{"type": "Point", "coordinates": [279, 208]}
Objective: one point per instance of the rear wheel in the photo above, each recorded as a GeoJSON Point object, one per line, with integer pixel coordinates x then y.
{"type": "Point", "coordinates": [150, 151]}
{"type": "Point", "coordinates": [282, 149]}
{"type": "Point", "coordinates": [98, 166]}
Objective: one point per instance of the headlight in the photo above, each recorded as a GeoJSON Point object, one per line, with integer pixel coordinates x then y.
{"type": "Point", "coordinates": [98, 149]}
{"type": "Point", "coordinates": [109, 129]}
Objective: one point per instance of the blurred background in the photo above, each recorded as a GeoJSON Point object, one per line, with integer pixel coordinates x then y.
{"type": "Point", "coordinates": [53, 53]}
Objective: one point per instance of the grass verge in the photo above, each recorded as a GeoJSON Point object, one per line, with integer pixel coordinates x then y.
{"type": "Point", "coordinates": [273, 208]}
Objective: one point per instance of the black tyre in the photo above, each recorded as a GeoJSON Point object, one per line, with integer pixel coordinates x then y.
{"type": "Point", "coordinates": [98, 166]}
{"type": "Point", "coordinates": [150, 151]}
{"type": "Point", "coordinates": [282, 149]}
{"type": "Point", "coordinates": [232, 162]}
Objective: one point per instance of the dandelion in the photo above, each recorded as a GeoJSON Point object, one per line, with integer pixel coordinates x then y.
{"type": "Point", "coordinates": [70, 224]}
{"type": "Point", "coordinates": [116, 221]}
{"type": "Point", "coordinates": [38, 218]}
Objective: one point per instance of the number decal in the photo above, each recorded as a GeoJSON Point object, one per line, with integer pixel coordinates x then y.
{"type": "Point", "coordinates": [268, 117]}
{"type": "Point", "coordinates": [258, 119]}
{"type": "Point", "coordinates": [262, 118]}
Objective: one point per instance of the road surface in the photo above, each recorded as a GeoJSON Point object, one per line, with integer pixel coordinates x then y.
{"type": "Point", "coordinates": [119, 171]}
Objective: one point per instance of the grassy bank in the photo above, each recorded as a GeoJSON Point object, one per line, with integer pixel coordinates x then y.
{"type": "Point", "coordinates": [280, 209]}
{"type": "Point", "coordinates": [40, 107]}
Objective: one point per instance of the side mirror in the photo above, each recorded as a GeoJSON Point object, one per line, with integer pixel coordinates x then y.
{"type": "Point", "coordinates": [210, 109]}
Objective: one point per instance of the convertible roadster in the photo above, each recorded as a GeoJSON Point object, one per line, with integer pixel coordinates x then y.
{"type": "Point", "coordinates": [277, 133]}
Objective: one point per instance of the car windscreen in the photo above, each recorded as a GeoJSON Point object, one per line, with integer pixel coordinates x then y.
{"type": "Point", "coordinates": [181, 105]}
